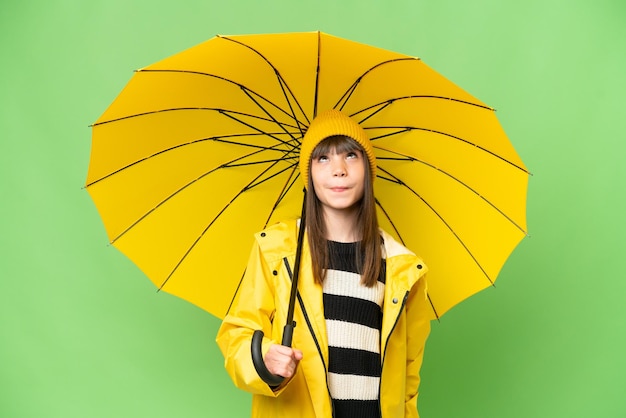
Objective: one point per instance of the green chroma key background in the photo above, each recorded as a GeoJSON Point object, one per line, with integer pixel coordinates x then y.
{"type": "Point", "coordinates": [83, 333]}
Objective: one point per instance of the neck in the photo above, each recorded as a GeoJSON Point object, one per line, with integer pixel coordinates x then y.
{"type": "Point", "coordinates": [341, 226]}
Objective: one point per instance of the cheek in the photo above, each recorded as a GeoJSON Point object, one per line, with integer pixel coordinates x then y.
{"type": "Point", "coordinates": [315, 173]}
{"type": "Point", "coordinates": [316, 176]}
{"type": "Point", "coordinates": [362, 179]}
{"type": "Point", "coordinates": [361, 191]}
{"type": "Point", "coordinates": [359, 171]}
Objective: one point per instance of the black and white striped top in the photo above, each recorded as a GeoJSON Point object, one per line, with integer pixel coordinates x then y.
{"type": "Point", "coordinates": [353, 315]}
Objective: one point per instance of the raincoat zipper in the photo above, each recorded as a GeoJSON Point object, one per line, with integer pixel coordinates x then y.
{"type": "Point", "coordinates": [317, 345]}
{"type": "Point", "coordinates": [382, 363]}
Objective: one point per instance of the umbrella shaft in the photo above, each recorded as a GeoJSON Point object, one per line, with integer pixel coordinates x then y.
{"type": "Point", "coordinates": [296, 268]}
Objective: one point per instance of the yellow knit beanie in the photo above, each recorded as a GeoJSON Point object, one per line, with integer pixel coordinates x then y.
{"type": "Point", "coordinates": [330, 123]}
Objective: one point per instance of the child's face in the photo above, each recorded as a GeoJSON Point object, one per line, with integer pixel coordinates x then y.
{"type": "Point", "coordinates": [338, 179]}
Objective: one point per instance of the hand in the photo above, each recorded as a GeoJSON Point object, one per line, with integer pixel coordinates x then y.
{"type": "Point", "coordinates": [282, 361]}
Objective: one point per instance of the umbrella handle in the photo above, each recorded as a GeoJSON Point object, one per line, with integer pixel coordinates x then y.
{"type": "Point", "coordinates": [257, 337]}
{"type": "Point", "coordinates": [257, 355]}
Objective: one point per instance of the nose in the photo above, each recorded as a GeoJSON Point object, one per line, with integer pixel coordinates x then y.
{"type": "Point", "coordinates": [339, 168]}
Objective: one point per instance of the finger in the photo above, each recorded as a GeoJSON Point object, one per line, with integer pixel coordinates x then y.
{"type": "Point", "coordinates": [282, 349]}
{"type": "Point", "coordinates": [285, 369]}
{"type": "Point", "coordinates": [297, 355]}
{"type": "Point", "coordinates": [277, 362]}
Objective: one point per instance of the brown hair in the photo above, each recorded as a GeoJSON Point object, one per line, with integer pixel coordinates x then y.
{"type": "Point", "coordinates": [370, 246]}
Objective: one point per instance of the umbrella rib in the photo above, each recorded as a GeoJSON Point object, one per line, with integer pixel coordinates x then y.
{"type": "Point", "coordinates": [225, 165]}
{"type": "Point", "coordinates": [282, 87]}
{"type": "Point", "coordinates": [248, 164]}
{"type": "Point", "coordinates": [393, 225]}
{"type": "Point", "coordinates": [174, 71]}
{"type": "Point", "coordinates": [458, 238]}
{"type": "Point", "coordinates": [413, 159]}
{"type": "Point", "coordinates": [404, 129]}
{"type": "Point", "coordinates": [174, 109]}
{"type": "Point", "coordinates": [248, 93]}
{"type": "Point", "coordinates": [380, 108]}
{"type": "Point", "coordinates": [348, 94]}
{"type": "Point", "coordinates": [280, 78]}
{"type": "Point", "coordinates": [287, 188]}
{"type": "Point", "coordinates": [392, 100]}
{"type": "Point", "coordinates": [192, 246]}
{"type": "Point", "coordinates": [196, 141]}
{"type": "Point", "coordinates": [291, 180]}
{"type": "Point", "coordinates": [317, 74]}
{"type": "Point", "coordinates": [230, 114]}
{"type": "Point", "coordinates": [254, 183]}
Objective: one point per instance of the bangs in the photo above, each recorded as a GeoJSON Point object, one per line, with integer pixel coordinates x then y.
{"type": "Point", "coordinates": [339, 143]}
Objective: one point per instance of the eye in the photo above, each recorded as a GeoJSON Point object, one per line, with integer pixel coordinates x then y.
{"type": "Point", "coordinates": [322, 158]}
{"type": "Point", "coordinates": [352, 154]}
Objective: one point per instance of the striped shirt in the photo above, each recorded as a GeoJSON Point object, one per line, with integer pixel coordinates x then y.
{"type": "Point", "coordinates": [353, 315]}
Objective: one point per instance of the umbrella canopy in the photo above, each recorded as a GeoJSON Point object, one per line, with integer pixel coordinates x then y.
{"type": "Point", "coordinates": [200, 150]}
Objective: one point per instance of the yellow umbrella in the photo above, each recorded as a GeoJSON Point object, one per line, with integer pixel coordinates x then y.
{"type": "Point", "coordinates": [200, 150]}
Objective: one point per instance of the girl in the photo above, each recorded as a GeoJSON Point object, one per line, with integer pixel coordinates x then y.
{"type": "Point", "coordinates": [362, 312]}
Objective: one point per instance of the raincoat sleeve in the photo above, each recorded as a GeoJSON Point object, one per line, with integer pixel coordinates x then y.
{"type": "Point", "coordinates": [253, 308]}
{"type": "Point", "coordinates": [418, 320]}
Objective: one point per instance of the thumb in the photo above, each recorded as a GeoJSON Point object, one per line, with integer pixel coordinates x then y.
{"type": "Point", "coordinates": [297, 354]}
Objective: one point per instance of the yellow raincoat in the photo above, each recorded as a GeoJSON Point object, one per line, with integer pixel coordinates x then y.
{"type": "Point", "coordinates": [262, 303]}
